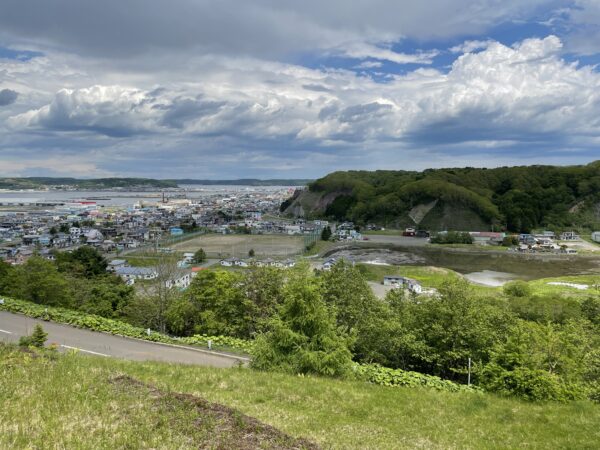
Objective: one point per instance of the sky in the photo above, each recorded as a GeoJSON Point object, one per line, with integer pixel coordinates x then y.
{"type": "Point", "coordinates": [223, 89]}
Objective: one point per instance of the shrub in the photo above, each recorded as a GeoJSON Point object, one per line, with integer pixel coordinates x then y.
{"type": "Point", "coordinates": [530, 384]}
{"type": "Point", "coordinates": [36, 339]}
{"type": "Point", "coordinates": [374, 373]}
{"type": "Point", "coordinates": [517, 288]}
{"type": "Point", "coordinates": [452, 237]}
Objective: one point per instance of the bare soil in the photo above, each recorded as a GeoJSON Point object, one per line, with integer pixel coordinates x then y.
{"type": "Point", "coordinates": [238, 245]}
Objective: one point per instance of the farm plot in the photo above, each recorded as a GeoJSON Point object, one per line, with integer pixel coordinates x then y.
{"type": "Point", "coordinates": [238, 245]}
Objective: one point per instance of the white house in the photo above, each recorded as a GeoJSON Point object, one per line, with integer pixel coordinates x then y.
{"type": "Point", "coordinates": [403, 282]}
{"type": "Point", "coordinates": [228, 262]}
{"type": "Point", "coordinates": [181, 281]}
{"type": "Point", "coordinates": [596, 236]}
{"type": "Point", "coordinates": [391, 280]}
{"type": "Point", "coordinates": [293, 229]}
{"type": "Point", "coordinates": [569, 236]}
{"type": "Point", "coordinates": [136, 273]}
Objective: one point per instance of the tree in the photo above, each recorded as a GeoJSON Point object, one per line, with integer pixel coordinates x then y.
{"type": "Point", "coordinates": [36, 339]}
{"type": "Point", "coordinates": [85, 261]}
{"type": "Point", "coordinates": [510, 241]}
{"type": "Point", "coordinates": [326, 234]}
{"type": "Point", "coordinates": [451, 328]}
{"type": "Point", "coordinates": [251, 253]}
{"type": "Point", "coordinates": [6, 277]}
{"type": "Point", "coordinates": [302, 338]}
{"type": "Point", "coordinates": [106, 296]}
{"type": "Point", "coordinates": [220, 303]}
{"type": "Point", "coordinates": [263, 289]}
{"type": "Point", "coordinates": [199, 256]}
{"type": "Point", "coordinates": [39, 281]}
{"type": "Point", "coordinates": [156, 296]}
{"type": "Point", "coordinates": [541, 361]}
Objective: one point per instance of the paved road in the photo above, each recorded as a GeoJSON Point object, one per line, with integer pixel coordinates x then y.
{"type": "Point", "coordinates": [13, 326]}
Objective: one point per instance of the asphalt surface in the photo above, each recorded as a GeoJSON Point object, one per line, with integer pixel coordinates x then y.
{"type": "Point", "coordinates": [13, 326]}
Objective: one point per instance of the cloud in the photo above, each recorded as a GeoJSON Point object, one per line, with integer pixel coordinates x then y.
{"type": "Point", "coordinates": [256, 28]}
{"type": "Point", "coordinates": [201, 85]}
{"type": "Point", "coordinates": [471, 46]}
{"type": "Point", "coordinates": [108, 110]}
{"type": "Point", "coordinates": [363, 50]}
{"type": "Point", "coordinates": [501, 93]}
{"type": "Point", "coordinates": [369, 65]}
{"type": "Point", "coordinates": [8, 97]}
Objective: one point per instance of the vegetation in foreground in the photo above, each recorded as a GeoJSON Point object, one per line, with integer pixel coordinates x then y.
{"type": "Point", "coordinates": [76, 401]}
{"type": "Point", "coordinates": [535, 346]}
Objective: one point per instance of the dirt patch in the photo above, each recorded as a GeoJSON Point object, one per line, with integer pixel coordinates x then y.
{"type": "Point", "coordinates": [267, 245]}
{"type": "Point", "coordinates": [228, 428]}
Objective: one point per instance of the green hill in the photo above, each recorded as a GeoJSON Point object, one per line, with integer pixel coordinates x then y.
{"type": "Point", "coordinates": [513, 198]}
{"type": "Point", "coordinates": [75, 401]}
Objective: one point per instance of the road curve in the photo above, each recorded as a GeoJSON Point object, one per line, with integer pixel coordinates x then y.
{"type": "Point", "coordinates": [13, 326]}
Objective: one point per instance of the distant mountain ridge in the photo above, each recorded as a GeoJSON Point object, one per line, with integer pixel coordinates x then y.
{"type": "Point", "coordinates": [112, 183]}
{"type": "Point", "coordinates": [506, 198]}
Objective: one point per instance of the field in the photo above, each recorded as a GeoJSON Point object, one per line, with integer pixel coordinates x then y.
{"type": "Point", "coordinates": [227, 245]}
{"type": "Point", "coordinates": [81, 402]}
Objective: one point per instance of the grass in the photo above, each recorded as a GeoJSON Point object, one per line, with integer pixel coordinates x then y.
{"type": "Point", "coordinates": [541, 286]}
{"type": "Point", "coordinates": [76, 401]}
{"type": "Point", "coordinates": [319, 248]}
{"type": "Point", "coordinates": [428, 276]}
{"type": "Point", "coordinates": [385, 232]}
{"type": "Point", "coordinates": [435, 276]}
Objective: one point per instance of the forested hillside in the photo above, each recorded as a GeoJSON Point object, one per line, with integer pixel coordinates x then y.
{"type": "Point", "coordinates": [512, 198]}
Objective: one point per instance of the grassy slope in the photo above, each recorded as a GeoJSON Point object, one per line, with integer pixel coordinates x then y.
{"type": "Point", "coordinates": [72, 403]}
{"type": "Point", "coordinates": [436, 276]}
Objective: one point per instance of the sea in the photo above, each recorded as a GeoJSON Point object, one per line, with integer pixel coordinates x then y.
{"type": "Point", "coordinates": [125, 197]}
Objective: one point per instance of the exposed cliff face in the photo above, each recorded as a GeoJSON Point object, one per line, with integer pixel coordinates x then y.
{"type": "Point", "coordinates": [311, 204]}
{"type": "Point", "coordinates": [432, 215]}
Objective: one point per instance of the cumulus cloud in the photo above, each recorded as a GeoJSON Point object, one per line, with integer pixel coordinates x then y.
{"type": "Point", "coordinates": [108, 110]}
{"type": "Point", "coordinates": [8, 97]}
{"type": "Point", "coordinates": [500, 94]}
{"type": "Point", "coordinates": [194, 87]}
